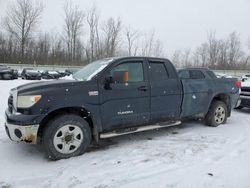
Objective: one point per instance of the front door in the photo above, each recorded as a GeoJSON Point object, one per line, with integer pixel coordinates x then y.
{"type": "Point", "coordinates": [126, 103]}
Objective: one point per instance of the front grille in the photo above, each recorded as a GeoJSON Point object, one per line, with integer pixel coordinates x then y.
{"type": "Point", "coordinates": [245, 89]}
{"type": "Point", "coordinates": [10, 103]}
{"type": "Point", "coordinates": [245, 102]}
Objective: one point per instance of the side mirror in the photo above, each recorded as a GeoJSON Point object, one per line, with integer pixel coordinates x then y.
{"type": "Point", "coordinates": [107, 82]}
{"type": "Point", "coordinates": [116, 77]}
{"type": "Point", "coordinates": [120, 76]}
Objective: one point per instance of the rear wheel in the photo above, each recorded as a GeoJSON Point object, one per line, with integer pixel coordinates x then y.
{"type": "Point", "coordinates": [66, 136]}
{"type": "Point", "coordinates": [217, 114]}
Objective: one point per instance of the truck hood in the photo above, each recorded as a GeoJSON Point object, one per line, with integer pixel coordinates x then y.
{"type": "Point", "coordinates": [35, 86]}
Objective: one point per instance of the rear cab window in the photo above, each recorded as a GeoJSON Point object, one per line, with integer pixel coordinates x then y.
{"type": "Point", "coordinates": [196, 74]}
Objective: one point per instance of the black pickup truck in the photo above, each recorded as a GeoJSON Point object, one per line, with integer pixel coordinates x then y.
{"type": "Point", "coordinates": [111, 97]}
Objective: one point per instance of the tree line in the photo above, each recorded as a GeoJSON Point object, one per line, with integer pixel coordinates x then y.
{"type": "Point", "coordinates": [84, 37]}
{"type": "Point", "coordinates": [216, 53]}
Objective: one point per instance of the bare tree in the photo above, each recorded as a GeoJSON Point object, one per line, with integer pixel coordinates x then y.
{"type": "Point", "coordinates": [147, 44]}
{"type": "Point", "coordinates": [176, 58]}
{"type": "Point", "coordinates": [21, 20]}
{"type": "Point", "coordinates": [93, 23]}
{"type": "Point", "coordinates": [131, 38]}
{"type": "Point", "coordinates": [213, 50]}
{"type": "Point", "coordinates": [43, 49]}
{"type": "Point", "coordinates": [186, 58]}
{"type": "Point", "coordinates": [223, 54]}
{"type": "Point", "coordinates": [73, 26]}
{"type": "Point", "coordinates": [235, 53]}
{"type": "Point", "coordinates": [203, 54]}
{"type": "Point", "coordinates": [112, 30]}
{"type": "Point", "coordinates": [247, 58]}
{"type": "Point", "coordinates": [58, 52]}
{"type": "Point", "coordinates": [151, 46]}
{"type": "Point", "coordinates": [158, 49]}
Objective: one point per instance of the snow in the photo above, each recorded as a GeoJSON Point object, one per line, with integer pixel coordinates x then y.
{"type": "Point", "coordinates": [189, 155]}
{"type": "Point", "coordinates": [52, 72]}
{"type": "Point", "coordinates": [33, 71]}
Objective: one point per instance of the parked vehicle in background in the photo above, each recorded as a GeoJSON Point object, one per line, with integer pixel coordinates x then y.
{"type": "Point", "coordinates": [50, 74]}
{"type": "Point", "coordinates": [115, 96]}
{"type": "Point", "coordinates": [244, 100]}
{"type": "Point", "coordinates": [64, 73]}
{"type": "Point", "coordinates": [31, 74]}
{"type": "Point", "coordinates": [7, 73]}
{"type": "Point", "coordinates": [71, 71]}
{"type": "Point", "coordinates": [245, 77]}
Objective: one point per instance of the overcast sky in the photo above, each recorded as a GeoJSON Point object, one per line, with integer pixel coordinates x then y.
{"type": "Point", "coordinates": [179, 24]}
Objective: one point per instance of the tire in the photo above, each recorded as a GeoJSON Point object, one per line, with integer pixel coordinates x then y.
{"type": "Point", "coordinates": [66, 136]}
{"type": "Point", "coordinates": [217, 114]}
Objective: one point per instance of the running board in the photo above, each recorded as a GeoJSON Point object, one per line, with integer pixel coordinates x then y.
{"type": "Point", "coordinates": [137, 129]}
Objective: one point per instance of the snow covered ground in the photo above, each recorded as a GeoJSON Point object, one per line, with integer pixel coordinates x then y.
{"type": "Point", "coordinates": [189, 155]}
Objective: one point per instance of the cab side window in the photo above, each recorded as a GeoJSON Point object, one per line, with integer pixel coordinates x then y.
{"type": "Point", "coordinates": [134, 69]}
{"type": "Point", "coordinates": [158, 71]}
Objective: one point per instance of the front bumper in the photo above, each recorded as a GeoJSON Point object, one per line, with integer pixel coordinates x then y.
{"type": "Point", "coordinates": [245, 101]}
{"type": "Point", "coordinates": [238, 103]}
{"type": "Point", "coordinates": [19, 133]}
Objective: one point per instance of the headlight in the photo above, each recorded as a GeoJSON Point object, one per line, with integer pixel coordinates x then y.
{"type": "Point", "coordinates": [27, 101]}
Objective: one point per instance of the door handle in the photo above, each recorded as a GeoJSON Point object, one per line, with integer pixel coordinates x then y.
{"type": "Point", "coordinates": [143, 88]}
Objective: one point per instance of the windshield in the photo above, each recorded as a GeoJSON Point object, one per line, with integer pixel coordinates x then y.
{"type": "Point", "coordinates": [92, 69]}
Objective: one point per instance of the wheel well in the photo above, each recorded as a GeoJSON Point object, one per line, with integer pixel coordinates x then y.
{"type": "Point", "coordinates": [226, 99]}
{"type": "Point", "coordinates": [82, 112]}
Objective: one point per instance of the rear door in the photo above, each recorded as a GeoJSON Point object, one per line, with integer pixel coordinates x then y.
{"type": "Point", "coordinates": [197, 92]}
{"type": "Point", "coordinates": [166, 91]}
{"type": "Point", "coordinates": [126, 103]}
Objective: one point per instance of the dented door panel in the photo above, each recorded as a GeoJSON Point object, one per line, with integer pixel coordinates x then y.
{"type": "Point", "coordinates": [197, 96]}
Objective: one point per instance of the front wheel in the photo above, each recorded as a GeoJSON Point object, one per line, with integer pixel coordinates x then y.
{"type": "Point", "coordinates": [217, 114]}
{"type": "Point", "coordinates": [66, 136]}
